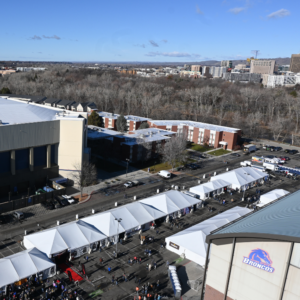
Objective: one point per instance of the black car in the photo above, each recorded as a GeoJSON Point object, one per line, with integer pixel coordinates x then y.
{"type": "Point", "coordinates": [235, 154]}
{"type": "Point", "coordinates": [277, 148]}
{"type": "Point", "coordinates": [62, 201]}
{"type": "Point", "coordinates": [293, 151]}
{"type": "Point", "coordinates": [191, 166]}
{"type": "Point", "coordinates": [270, 156]}
{"type": "Point", "coordinates": [56, 204]}
{"type": "Point", "coordinates": [287, 150]}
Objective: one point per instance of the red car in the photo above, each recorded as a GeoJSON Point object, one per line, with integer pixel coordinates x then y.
{"type": "Point", "coordinates": [284, 158]}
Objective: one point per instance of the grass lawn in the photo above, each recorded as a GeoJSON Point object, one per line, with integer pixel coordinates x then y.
{"type": "Point", "coordinates": [219, 152]}
{"type": "Point", "coordinates": [154, 165]}
{"type": "Point", "coordinates": [199, 148]}
{"type": "Point", "coordinates": [108, 166]}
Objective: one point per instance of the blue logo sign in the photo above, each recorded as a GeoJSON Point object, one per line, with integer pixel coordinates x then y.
{"type": "Point", "coordinates": [260, 259]}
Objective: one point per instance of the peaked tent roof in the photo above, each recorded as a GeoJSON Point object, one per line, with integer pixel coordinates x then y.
{"type": "Point", "coordinates": [209, 186]}
{"type": "Point", "coordinates": [241, 176]}
{"type": "Point", "coordinates": [140, 213]}
{"type": "Point", "coordinates": [91, 233]}
{"type": "Point", "coordinates": [271, 196]}
{"type": "Point", "coordinates": [193, 238]}
{"type": "Point", "coordinates": [170, 202]}
{"type": "Point", "coordinates": [47, 241]}
{"type": "Point", "coordinates": [23, 264]}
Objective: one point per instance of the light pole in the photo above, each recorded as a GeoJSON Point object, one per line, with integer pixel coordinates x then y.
{"type": "Point", "coordinates": [244, 189]}
{"type": "Point", "coordinates": [119, 220]}
{"type": "Point", "coordinates": [127, 159]}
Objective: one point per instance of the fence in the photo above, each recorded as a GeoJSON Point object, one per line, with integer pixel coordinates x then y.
{"type": "Point", "coordinates": [29, 201]}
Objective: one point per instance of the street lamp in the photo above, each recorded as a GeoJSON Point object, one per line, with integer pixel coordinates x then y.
{"type": "Point", "coordinates": [128, 160]}
{"type": "Point", "coordinates": [244, 189]}
{"type": "Point", "coordinates": [119, 220]}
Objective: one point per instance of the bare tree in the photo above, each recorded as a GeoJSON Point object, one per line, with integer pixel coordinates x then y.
{"type": "Point", "coordinates": [85, 175]}
{"type": "Point", "coordinates": [174, 150]}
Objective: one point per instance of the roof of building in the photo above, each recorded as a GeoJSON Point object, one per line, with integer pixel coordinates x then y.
{"type": "Point", "coordinates": [105, 114]}
{"type": "Point", "coordinates": [17, 112]}
{"type": "Point", "coordinates": [194, 124]}
{"type": "Point", "coordinates": [280, 221]}
{"type": "Point", "coordinates": [35, 99]}
{"type": "Point", "coordinates": [52, 100]}
{"type": "Point", "coordinates": [136, 118]}
{"type": "Point", "coordinates": [65, 102]}
{"type": "Point", "coordinates": [132, 138]}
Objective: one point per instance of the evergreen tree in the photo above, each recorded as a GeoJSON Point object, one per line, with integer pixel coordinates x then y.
{"type": "Point", "coordinates": [5, 90]}
{"type": "Point", "coordinates": [121, 123]}
{"type": "Point", "coordinates": [144, 125]}
{"type": "Point", "coordinates": [95, 119]}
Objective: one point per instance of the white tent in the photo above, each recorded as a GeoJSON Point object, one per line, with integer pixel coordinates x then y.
{"type": "Point", "coordinates": [242, 177]}
{"type": "Point", "coordinates": [76, 237]}
{"type": "Point", "coordinates": [170, 202]}
{"type": "Point", "coordinates": [271, 196]}
{"type": "Point", "coordinates": [204, 190]}
{"type": "Point", "coordinates": [24, 264]}
{"type": "Point", "coordinates": [191, 241]}
{"type": "Point", "coordinates": [48, 241]}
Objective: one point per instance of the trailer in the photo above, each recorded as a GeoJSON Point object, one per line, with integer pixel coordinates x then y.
{"type": "Point", "coordinates": [246, 163]}
{"type": "Point", "coordinates": [249, 148]}
{"type": "Point", "coordinates": [270, 166]}
{"type": "Point", "coordinates": [258, 159]}
{"type": "Point", "coordinates": [259, 168]}
{"type": "Point", "coordinates": [289, 170]}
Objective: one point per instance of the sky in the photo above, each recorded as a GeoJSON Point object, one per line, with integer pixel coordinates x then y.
{"type": "Point", "coordinates": [148, 31]}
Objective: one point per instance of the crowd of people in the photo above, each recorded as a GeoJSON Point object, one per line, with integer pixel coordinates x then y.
{"type": "Point", "coordinates": [34, 288]}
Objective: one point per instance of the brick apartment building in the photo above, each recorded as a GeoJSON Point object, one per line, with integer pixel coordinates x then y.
{"type": "Point", "coordinates": [135, 145]}
{"type": "Point", "coordinates": [202, 133]}
{"type": "Point", "coordinates": [110, 121]}
{"type": "Point", "coordinates": [295, 63]}
{"type": "Point", "coordinates": [262, 66]}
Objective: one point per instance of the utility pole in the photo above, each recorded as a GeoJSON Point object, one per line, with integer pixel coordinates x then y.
{"type": "Point", "coordinates": [256, 52]}
{"type": "Point", "coordinates": [119, 220]}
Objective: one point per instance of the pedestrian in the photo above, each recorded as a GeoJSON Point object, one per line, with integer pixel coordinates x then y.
{"type": "Point", "coordinates": [87, 258]}
{"type": "Point", "coordinates": [101, 260]}
{"type": "Point", "coordinates": [167, 263]}
{"type": "Point", "coordinates": [113, 279]}
{"type": "Point", "coordinates": [140, 260]}
{"type": "Point", "coordinates": [157, 283]}
{"type": "Point", "coordinates": [157, 232]}
{"type": "Point", "coordinates": [150, 266]}
{"type": "Point", "coordinates": [140, 279]}
{"type": "Point", "coordinates": [109, 269]}
{"type": "Point", "coordinates": [100, 249]}
{"type": "Point", "coordinates": [116, 281]}
{"type": "Point", "coordinates": [154, 265]}
{"type": "Point", "coordinates": [135, 279]}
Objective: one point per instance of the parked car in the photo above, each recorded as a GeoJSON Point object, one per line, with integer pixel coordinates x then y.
{"type": "Point", "coordinates": [62, 201]}
{"type": "Point", "coordinates": [48, 205]}
{"type": "Point", "coordinates": [130, 184]}
{"type": "Point", "coordinates": [70, 199]}
{"type": "Point", "coordinates": [287, 150]}
{"type": "Point", "coordinates": [293, 151]}
{"type": "Point", "coordinates": [191, 166]}
{"type": "Point", "coordinates": [283, 158]}
{"type": "Point", "coordinates": [277, 148]}
{"type": "Point", "coordinates": [56, 203]}
{"type": "Point", "coordinates": [235, 154]}
{"type": "Point", "coordinates": [265, 146]}
{"type": "Point", "coordinates": [271, 148]}
{"type": "Point", "coordinates": [164, 174]}
{"type": "Point", "coordinates": [18, 215]}
{"type": "Point", "coordinates": [270, 156]}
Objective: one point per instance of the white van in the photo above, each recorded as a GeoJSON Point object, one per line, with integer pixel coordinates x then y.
{"type": "Point", "coordinates": [164, 174]}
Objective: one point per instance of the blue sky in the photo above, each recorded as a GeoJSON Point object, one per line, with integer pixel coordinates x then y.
{"type": "Point", "coordinates": [156, 30]}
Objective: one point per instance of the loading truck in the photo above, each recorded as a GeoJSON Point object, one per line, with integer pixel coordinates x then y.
{"type": "Point", "coordinates": [259, 168]}
{"type": "Point", "coordinates": [246, 163]}
{"type": "Point", "coordinates": [249, 148]}
{"type": "Point", "coordinates": [258, 159]}
{"type": "Point", "coordinates": [270, 166]}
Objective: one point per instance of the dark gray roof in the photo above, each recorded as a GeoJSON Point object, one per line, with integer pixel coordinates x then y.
{"type": "Point", "coordinates": [64, 102]}
{"type": "Point", "coordinates": [279, 220]}
{"type": "Point", "coordinates": [52, 100]}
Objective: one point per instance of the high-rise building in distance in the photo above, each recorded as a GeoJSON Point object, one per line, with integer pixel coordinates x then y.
{"type": "Point", "coordinates": [226, 63]}
{"type": "Point", "coordinates": [262, 66]}
{"type": "Point", "coordinates": [196, 68]}
{"type": "Point", "coordinates": [295, 63]}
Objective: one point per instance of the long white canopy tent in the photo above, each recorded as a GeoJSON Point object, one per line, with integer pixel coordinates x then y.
{"type": "Point", "coordinates": [191, 241]}
{"type": "Point", "coordinates": [172, 203]}
{"type": "Point", "coordinates": [101, 229]}
{"type": "Point", "coordinates": [24, 264]}
{"type": "Point", "coordinates": [76, 237]}
{"type": "Point", "coordinates": [242, 178]}
{"type": "Point", "coordinates": [271, 196]}
{"type": "Point", "coordinates": [211, 188]}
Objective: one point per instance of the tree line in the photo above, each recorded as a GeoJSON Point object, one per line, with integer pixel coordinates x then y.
{"type": "Point", "coordinates": [259, 112]}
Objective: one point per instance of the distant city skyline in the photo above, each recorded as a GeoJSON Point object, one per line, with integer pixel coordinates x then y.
{"type": "Point", "coordinates": [156, 31]}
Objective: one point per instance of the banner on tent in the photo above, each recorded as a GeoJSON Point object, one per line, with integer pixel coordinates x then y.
{"type": "Point", "coordinates": [174, 245]}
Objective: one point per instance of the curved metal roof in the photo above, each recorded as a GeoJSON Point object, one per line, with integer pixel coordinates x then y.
{"type": "Point", "coordinates": [278, 221]}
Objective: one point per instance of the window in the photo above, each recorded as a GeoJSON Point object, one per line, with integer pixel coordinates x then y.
{"type": "Point", "coordinates": [22, 159]}
{"type": "Point", "coordinates": [40, 156]}
{"type": "Point", "coordinates": [5, 162]}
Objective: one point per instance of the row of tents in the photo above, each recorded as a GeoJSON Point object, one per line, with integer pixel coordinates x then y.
{"type": "Point", "coordinates": [102, 229]}
{"type": "Point", "coordinates": [241, 179]}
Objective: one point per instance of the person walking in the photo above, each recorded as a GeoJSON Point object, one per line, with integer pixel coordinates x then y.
{"type": "Point", "coordinates": [108, 270]}
{"type": "Point", "coordinates": [116, 281]}
{"type": "Point", "coordinates": [157, 232]}
{"type": "Point", "coordinates": [101, 260]}
{"type": "Point", "coordinates": [140, 279]}
{"type": "Point", "coordinates": [140, 260]}
{"type": "Point", "coordinates": [150, 266]}
{"type": "Point", "coordinates": [113, 279]}
{"type": "Point", "coordinates": [154, 265]}
{"type": "Point", "coordinates": [167, 264]}
{"type": "Point", "coordinates": [87, 258]}
{"type": "Point", "coordinates": [157, 284]}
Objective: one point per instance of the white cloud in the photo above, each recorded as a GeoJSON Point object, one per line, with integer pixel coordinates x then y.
{"type": "Point", "coordinates": [52, 37]}
{"type": "Point", "coordinates": [198, 10]}
{"type": "Point", "coordinates": [279, 14]}
{"type": "Point", "coordinates": [237, 10]}
{"type": "Point", "coordinates": [172, 54]}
